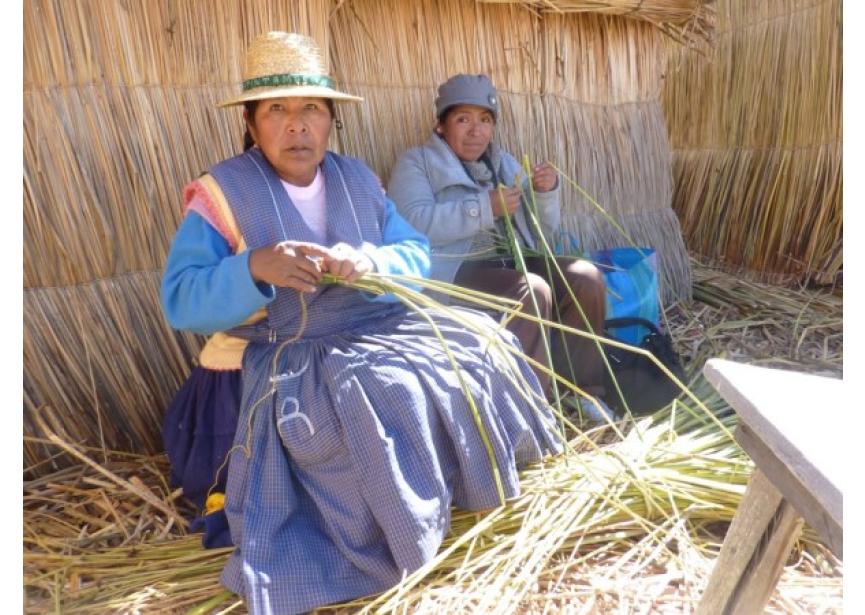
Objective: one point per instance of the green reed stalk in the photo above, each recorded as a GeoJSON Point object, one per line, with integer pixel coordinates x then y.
{"type": "Point", "coordinates": [456, 291]}
{"type": "Point", "coordinates": [550, 259]}
{"type": "Point", "coordinates": [517, 253]}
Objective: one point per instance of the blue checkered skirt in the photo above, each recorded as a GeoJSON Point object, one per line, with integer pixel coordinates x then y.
{"type": "Point", "coordinates": [351, 449]}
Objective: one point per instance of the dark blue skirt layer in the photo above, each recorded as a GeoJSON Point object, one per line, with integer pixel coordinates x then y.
{"type": "Point", "coordinates": [198, 432]}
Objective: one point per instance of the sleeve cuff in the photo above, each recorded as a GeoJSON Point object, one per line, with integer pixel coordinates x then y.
{"type": "Point", "coordinates": [549, 199]}
{"type": "Point", "coordinates": [378, 263]}
{"type": "Point", "coordinates": [249, 292]}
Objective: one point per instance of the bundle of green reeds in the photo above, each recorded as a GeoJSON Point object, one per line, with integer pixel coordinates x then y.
{"type": "Point", "coordinates": [756, 130]}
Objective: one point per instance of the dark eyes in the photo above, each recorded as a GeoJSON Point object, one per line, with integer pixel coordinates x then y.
{"type": "Point", "coordinates": [276, 107]}
{"type": "Point", "coordinates": [462, 119]}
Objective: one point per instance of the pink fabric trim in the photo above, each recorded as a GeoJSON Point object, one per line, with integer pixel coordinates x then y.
{"type": "Point", "coordinates": [196, 198]}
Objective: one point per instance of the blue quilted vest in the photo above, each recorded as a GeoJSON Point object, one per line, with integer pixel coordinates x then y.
{"type": "Point", "coordinates": [266, 215]}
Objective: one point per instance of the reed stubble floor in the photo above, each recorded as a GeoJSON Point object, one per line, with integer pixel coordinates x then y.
{"type": "Point", "coordinates": [109, 536]}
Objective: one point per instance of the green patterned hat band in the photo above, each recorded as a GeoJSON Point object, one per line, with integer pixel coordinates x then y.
{"type": "Point", "coordinates": [287, 79]}
{"type": "Point", "coordinates": [280, 64]}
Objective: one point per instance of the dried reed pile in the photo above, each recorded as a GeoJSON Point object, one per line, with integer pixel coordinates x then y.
{"type": "Point", "coordinates": [119, 115]}
{"type": "Point", "coordinates": [755, 126]}
{"type": "Point", "coordinates": [785, 328]}
{"type": "Point", "coordinates": [625, 524]}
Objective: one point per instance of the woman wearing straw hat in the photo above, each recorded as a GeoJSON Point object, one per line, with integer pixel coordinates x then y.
{"type": "Point", "coordinates": [458, 188]}
{"type": "Point", "coordinates": [354, 436]}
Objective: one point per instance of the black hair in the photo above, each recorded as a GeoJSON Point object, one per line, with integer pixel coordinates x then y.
{"type": "Point", "coordinates": [250, 107]}
{"type": "Point", "coordinates": [443, 116]}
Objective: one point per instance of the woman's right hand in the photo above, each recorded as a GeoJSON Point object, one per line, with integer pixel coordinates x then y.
{"type": "Point", "coordinates": [286, 264]}
{"type": "Point", "coordinates": [505, 200]}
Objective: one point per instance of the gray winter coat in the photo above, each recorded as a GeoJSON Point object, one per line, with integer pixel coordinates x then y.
{"type": "Point", "coordinates": [434, 193]}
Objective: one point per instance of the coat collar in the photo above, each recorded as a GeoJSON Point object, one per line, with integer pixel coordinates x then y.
{"type": "Point", "coordinates": [445, 169]}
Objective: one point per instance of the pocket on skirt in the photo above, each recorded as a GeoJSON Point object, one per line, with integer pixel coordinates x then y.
{"type": "Point", "coordinates": [307, 425]}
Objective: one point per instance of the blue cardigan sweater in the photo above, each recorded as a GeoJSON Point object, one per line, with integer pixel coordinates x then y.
{"type": "Point", "coordinates": [206, 288]}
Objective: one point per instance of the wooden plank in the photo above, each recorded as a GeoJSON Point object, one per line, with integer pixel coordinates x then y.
{"type": "Point", "coordinates": [753, 553]}
{"type": "Point", "coordinates": [765, 568]}
{"type": "Point", "coordinates": [796, 416]}
{"type": "Point", "coordinates": [793, 490]}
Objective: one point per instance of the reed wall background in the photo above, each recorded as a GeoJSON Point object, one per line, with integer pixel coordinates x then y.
{"type": "Point", "coordinates": [755, 126]}
{"type": "Point", "coordinates": [119, 114]}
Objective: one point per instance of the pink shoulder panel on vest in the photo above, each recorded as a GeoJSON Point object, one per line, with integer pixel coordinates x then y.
{"type": "Point", "coordinates": [197, 198]}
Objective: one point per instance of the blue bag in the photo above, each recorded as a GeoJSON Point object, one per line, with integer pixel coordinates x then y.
{"type": "Point", "coordinates": [632, 287]}
{"type": "Point", "coordinates": [632, 283]}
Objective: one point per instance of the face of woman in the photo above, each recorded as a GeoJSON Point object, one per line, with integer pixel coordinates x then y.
{"type": "Point", "coordinates": [468, 130]}
{"type": "Point", "coordinates": [292, 134]}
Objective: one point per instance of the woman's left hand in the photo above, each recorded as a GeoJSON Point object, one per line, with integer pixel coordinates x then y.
{"type": "Point", "coordinates": [346, 262]}
{"type": "Point", "coordinates": [543, 178]}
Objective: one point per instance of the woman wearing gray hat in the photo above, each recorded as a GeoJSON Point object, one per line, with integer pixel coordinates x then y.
{"type": "Point", "coordinates": [457, 187]}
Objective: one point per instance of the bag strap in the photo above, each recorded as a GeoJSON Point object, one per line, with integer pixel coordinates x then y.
{"type": "Point", "coordinates": [630, 321]}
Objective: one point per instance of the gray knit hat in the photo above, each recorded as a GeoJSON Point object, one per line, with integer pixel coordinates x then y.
{"type": "Point", "coordinates": [467, 90]}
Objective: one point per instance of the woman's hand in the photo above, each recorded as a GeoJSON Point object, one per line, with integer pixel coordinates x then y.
{"type": "Point", "coordinates": [343, 261]}
{"type": "Point", "coordinates": [543, 178]}
{"type": "Point", "coordinates": [288, 264]}
{"type": "Point", "coordinates": [505, 200]}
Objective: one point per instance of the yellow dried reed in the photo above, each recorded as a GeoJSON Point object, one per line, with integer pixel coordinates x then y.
{"type": "Point", "coordinates": [101, 355]}
{"type": "Point", "coordinates": [686, 21]}
{"type": "Point", "coordinates": [104, 168]}
{"type": "Point", "coordinates": [639, 512]}
{"type": "Point", "coordinates": [756, 131]}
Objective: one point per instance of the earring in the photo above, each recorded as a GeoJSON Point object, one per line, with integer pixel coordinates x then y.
{"type": "Point", "coordinates": [338, 123]}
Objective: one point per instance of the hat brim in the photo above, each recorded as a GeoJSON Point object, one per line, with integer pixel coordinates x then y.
{"type": "Point", "coordinates": [290, 91]}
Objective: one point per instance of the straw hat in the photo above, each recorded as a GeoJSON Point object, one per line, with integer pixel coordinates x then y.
{"type": "Point", "coordinates": [280, 64]}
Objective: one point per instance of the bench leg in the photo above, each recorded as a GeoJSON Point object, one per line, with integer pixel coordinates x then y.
{"type": "Point", "coordinates": [754, 551]}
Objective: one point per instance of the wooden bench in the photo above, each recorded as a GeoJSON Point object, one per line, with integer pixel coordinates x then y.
{"type": "Point", "coordinates": [788, 424]}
